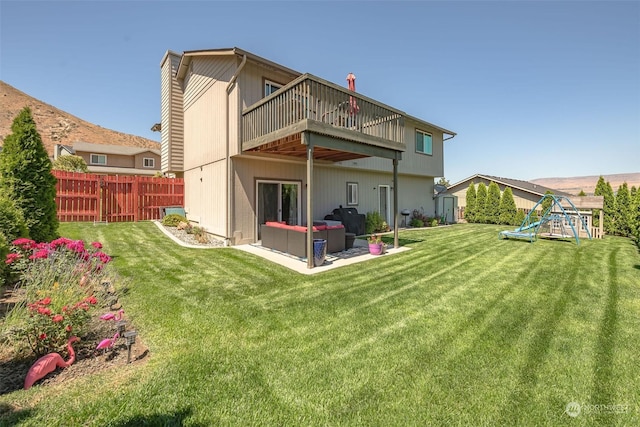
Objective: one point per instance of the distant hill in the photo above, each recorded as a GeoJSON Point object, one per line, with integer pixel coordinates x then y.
{"type": "Point", "coordinates": [574, 184]}
{"type": "Point", "coordinates": [59, 127]}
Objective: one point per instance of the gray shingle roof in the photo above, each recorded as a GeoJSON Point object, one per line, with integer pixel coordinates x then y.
{"type": "Point", "coordinates": [515, 183]}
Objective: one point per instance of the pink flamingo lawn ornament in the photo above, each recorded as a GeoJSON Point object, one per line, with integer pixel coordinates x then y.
{"type": "Point", "coordinates": [108, 342]}
{"type": "Point", "coordinates": [110, 316]}
{"type": "Point", "coordinates": [49, 363]}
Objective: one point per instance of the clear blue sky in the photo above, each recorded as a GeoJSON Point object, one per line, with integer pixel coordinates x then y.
{"type": "Point", "coordinates": [533, 89]}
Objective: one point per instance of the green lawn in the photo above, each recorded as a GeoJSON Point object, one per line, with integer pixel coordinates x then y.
{"type": "Point", "coordinates": [464, 329]}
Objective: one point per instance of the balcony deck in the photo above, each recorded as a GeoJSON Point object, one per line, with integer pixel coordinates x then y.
{"type": "Point", "coordinates": [342, 124]}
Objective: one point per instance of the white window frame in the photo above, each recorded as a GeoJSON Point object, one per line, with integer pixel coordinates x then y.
{"type": "Point", "coordinates": [386, 215]}
{"type": "Point", "coordinates": [424, 150]}
{"type": "Point", "coordinates": [271, 84]}
{"type": "Point", "coordinates": [151, 160]}
{"type": "Point", "coordinates": [352, 193]}
{"type": "Point", "coordinates": [97, 161]}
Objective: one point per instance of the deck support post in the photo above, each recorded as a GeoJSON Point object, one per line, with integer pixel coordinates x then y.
{"type": "Point", "coordinates": [307, 141]}
{"type": "Point", "coordinates": [396, 243]}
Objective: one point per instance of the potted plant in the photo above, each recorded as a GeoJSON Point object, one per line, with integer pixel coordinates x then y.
{"type": "Point", "coordinates": [376, 246]}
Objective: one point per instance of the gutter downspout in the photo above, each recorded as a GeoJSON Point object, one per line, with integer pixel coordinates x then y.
{"type": "Point", "coordinates": [228, 158]}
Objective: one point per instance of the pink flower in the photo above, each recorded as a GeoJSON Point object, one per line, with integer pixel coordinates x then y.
{"type": "Point", "coordinates": [40, 254]}
{"type": "Point", "coordinates": [76, 245]}
{"type": "Point", "coordinates": [97, 245]}
{"type": "Point", "coordinates": [104, 258]}
{"type": "Point", "coordinates": [61, 241]}
{"type": "Point", "coordinates": [45, 301]}
{"type": "Point", "coordinates": [92, 300]}
{"type": "Point", "coordinates": [12, 257]}
{"type": "Point", "coordinates": [57, 318]}
{"type": "Point", "coordinates": [68, 328]}
{"type": "Point", "coordinates": [24, 243]}
{"type": "Point", "coordinates": [43, 336]}
{"type": "Point", "coordinates": [44, 311]}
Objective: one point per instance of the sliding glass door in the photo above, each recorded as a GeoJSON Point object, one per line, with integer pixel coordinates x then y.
{"type": "Point", "coordinates": [278, 201]}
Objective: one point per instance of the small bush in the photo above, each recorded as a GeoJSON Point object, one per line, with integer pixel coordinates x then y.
{"type": "Point", "coordinates": [71, 164]}
{"type": "Point", "coordinates": [374, 223]}
{"type": "Point", "coordinates": [12, 223]}
{"type": "Point", "coordinates": [434, 222]}
{"type": "Point", "coordinates": [185, 226]}
{"type": "Point", "coordinates": [519, 218]}
{"type": "Point", "coordinates": [59, 282]}
{"type": "Point", "coordinates": [172, 220]}
{"type": "Point", "coordinates": [4, 251]}
{"type": "Point", "coordinates": [416, 223]}
{"type": "Point", "coordinates": [419, 215]}
{"type": "Point", "coordinates": [200, 234]}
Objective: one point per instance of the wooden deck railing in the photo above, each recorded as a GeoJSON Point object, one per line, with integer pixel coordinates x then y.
{"type": "Point", "coordinates": [312, 98]}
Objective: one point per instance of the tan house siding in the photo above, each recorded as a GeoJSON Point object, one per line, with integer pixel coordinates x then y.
{"type": "Point", "coordinates": [523, 199]}
{"type": "Point", "coordinates": [139, 161]}
{"type": "Point", "coordinates": [123, 163]}
{"type": "Point", "coordinates": [113, 160]}
{"type": "Point", "coordinates": [205, 133]}
{"type": "Point", "coordinates": [221, 179]}
{"type": "Point", "coordinates": [247, 172]}
{"type": "Point", "coordinates": [251, 80]}
{"type": "Point", "coordinates": [412, 161]}
{"type": "Point", "coordinates": [204, 73]}
{"type": "Point", "coordinates": [172, 116]}
{"type": "Point", "coordinates": [416, 192]}
{"type": "Point", "coordinates": [205, 201]}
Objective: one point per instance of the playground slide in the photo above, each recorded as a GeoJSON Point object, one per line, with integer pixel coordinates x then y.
{"type": "Point", "coordinates": [527, 227]}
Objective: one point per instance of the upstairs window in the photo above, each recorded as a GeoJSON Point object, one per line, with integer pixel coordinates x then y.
{"type": "Point", "coordinates": [98, 159]}
{"type": "Point", "coordinates": [270, 87]}
{"type": "Point", "coordinates": [148, 162]}
{"type": "Point", "coordinates": [424, 143]}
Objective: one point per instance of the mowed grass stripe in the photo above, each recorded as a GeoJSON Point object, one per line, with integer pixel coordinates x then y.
{"type": "Point", "coordinates": [481, 327]}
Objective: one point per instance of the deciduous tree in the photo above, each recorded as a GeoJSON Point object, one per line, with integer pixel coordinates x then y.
{"type": "Point", "coordinates": [70, 164]}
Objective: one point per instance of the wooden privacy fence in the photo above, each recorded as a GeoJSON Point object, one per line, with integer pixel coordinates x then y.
{"type": "Point", "coordinates": [104, 198]}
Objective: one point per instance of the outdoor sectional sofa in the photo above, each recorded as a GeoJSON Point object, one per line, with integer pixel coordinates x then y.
{"type": "Point", "coordinates": [292, 239]}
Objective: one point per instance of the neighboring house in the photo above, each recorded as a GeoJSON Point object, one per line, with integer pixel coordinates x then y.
{"type": "Point", "coordinates": [113, 159]}
{"type": "Point", "coordinates": [256, 141]}
{"type": "Point", "coordinates": [525, 194]}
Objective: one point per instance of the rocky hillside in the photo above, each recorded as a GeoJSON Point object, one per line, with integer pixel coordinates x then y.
{"type": "Point", "coordinates": [573, 185]}
{"type": "Point", "coordinates": [58, 127]}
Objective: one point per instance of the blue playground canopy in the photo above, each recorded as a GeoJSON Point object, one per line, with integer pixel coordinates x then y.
{"type": "Point", "coordinates": [559, 221]}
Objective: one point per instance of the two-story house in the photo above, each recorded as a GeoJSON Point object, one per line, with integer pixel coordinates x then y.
{"type": "Point", "coordinates": [104, 159]}
{"type": "Point", "coordinates": [256, 141]}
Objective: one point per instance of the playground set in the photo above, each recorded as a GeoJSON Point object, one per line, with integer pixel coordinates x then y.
{"type": "Point", "coordinates": [558, 221]}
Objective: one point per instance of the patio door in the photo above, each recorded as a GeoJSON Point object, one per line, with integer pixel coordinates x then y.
{"type": "Point", "coordinates": [278, 201]}
{"type": "Point", "coordinates": [383, 202]}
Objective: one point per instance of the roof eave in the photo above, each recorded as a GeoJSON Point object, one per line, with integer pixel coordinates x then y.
{"type": "Point", "coordinates": [441, 129]}
{"type": "Point", "coordinates": [187, 56]}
